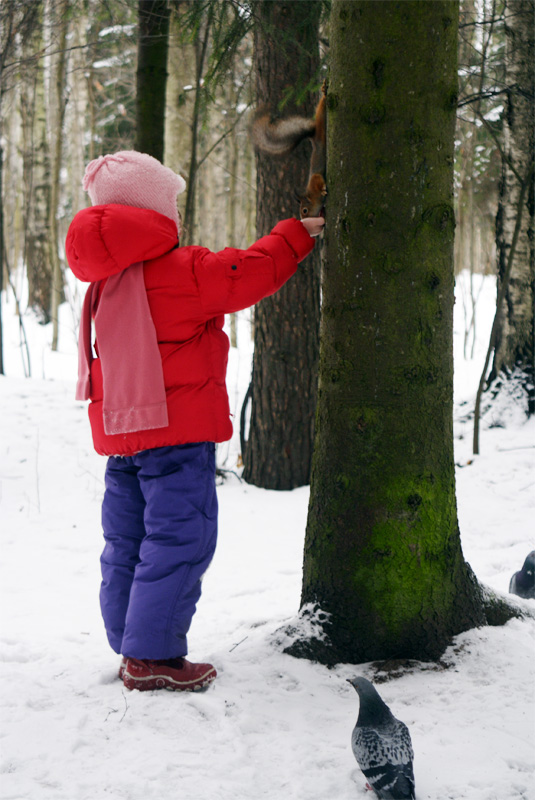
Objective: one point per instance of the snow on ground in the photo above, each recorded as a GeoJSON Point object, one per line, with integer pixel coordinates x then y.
{"type": "Point", "coordinates": [271, 726]}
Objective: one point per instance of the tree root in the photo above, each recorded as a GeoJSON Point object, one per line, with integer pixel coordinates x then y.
{"type": "Point", "coordinates": [499, 609]}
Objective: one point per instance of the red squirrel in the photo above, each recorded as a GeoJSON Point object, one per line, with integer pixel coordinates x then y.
{"type": "Point", "coordinates": [282, 136]}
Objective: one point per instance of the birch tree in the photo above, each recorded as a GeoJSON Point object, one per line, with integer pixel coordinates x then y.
{"type": "Point", "coordinates": [514, 352]}
{"type": "Point", "coordinates": [36, 173]}
{"type": "Point", "coordinates": [57, 15]}
{"type": "Point", "coordinates": [179, 94]}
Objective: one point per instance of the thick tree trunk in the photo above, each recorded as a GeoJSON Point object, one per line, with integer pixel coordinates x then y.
{"type": "Point", "coordinates": [279, 448]}
{"type": "Point", "coordinates": [514, 354]}
{"type": "Point", "coordinates": [383, 555]}
{"type": "Point", "coordinates": [153, 16]}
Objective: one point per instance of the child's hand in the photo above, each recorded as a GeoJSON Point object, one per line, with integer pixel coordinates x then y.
{"type": "Point", "coordinates": [314, 225]}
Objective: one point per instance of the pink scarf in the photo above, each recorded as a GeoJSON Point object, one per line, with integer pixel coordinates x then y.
{"type": "Point", "coordinates": [133, 383]}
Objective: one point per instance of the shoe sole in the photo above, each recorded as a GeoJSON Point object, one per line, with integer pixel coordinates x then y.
{"type": "Point", "coordinates": [151, 682]}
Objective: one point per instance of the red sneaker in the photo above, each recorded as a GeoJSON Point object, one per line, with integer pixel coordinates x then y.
{"type": "Point", "coordinates": [175, 674]}
{"type": "Point", "coordinates": [121, 668]}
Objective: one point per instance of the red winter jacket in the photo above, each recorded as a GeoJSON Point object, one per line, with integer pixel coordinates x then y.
{"type": "Point", "coordinates": [189, 290]}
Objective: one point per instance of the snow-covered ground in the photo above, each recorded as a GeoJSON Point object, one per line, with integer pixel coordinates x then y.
{"type": "Point", "coordinates": [271, 726]}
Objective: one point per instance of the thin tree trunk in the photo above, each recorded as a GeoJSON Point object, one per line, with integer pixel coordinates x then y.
{"type": "Point", "coordinates": [233, 199]}
{"type": "Point", "coordinates": [1, 248]}
{"type": "Point", "coordinates": [90, 77]}
{"type": "Point", "coordinates": [36, 176]}
{"type": "Point", "coordinates": [57, 295]}
{"type": "Point", "coordinates": [202, 48]}
{"type": "Point", "coordinates": [179, 101]}
{"type": "Point", "coordinates": [7, 20]}
{"type": "Point", "coordinates": [153, 35]}
{"type": "Point", "coordinates": [503, 290]}
{"type": "Point", "coordinates": [78, 111]}
{"type": "Point", "coordinates": [514, 354]}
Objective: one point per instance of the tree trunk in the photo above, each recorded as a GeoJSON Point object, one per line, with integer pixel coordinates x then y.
{"type": "Point", "coordinates": [279, 448]}
{"type": "Point", "coordinates": [79, 122]}
{"type": "Point", "coordinates": [1, 247]}
{"type": "Point", "coordinates": [503, 289]}
{"type": "Point", "coordinates": [201, 51]}
{"type": "Point", "coordinates": [153, 16]}
{"type": "Point", "coordinates": [383, 556]}
{"type": "Point", "coordinates": [179, 101]}
{"type": "Point", "coordinates": [61, 18]}
{"type": "Point", "coordinates": [514, 354]}
{"type": "Point", "coordinates": [233, 160]}
{"type": "Point", "coordinates": [36, 178]}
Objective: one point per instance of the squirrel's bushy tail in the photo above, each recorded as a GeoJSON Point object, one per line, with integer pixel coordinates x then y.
{"type": "Point", "coordinates": [280, 136]}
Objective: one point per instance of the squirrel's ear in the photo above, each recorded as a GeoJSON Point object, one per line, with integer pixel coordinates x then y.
{"type": "Point", "coordinates": [297, 196]}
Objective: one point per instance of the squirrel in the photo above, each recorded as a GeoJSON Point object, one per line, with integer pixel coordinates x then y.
{"type": "Point", "coordinates": [281, 136]}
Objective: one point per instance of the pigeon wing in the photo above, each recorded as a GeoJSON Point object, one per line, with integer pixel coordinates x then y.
{"type": "Point", "coordinates": [385, 758]}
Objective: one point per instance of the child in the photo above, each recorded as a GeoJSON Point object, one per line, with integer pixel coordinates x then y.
{"type": "Point", "coordinates": [158, 398]}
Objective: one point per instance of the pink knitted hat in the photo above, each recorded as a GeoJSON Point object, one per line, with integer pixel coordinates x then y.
{"type": "Point", "coordinates": [134, 179]}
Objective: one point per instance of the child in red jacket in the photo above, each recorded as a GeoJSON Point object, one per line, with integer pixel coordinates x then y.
{"type": "Point", "coordinates": [158, 398]}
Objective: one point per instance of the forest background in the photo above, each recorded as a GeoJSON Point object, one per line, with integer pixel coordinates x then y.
{"type": "Point", "coordinates": [68, 94]}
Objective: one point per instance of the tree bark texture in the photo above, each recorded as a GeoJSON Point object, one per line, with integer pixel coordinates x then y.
{"type": "Point", "coordinates": [199, 109]}
{"type": "Point", "coordinates": [515, 352]}
{"type": "Point", "coordinates": [286, 341]}
{"type": "Point", "coordinates": [61, 18]}
{"type": "Point", "coordinates": [153, 16]}
{"type": "Point", "coordinates": [383, 555]}
{"type": "Point", "coordinates": [36, 180]}
{"type": "Point", "coordinates": [179, 103]}
{"type": "Point", "coordinates": [1, 249]}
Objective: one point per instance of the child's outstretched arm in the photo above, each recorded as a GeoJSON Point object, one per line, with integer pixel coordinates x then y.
{"type": "Point", "coordinates": [232, 280]}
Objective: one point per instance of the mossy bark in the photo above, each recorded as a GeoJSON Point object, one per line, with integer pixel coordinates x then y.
{"type": "Point", "coordinates": [278, 454]}
{"type": "Point", "coordinates": [383, 555]}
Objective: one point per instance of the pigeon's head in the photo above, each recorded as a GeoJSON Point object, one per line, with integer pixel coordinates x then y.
{"type": "Point", "coordinates": [372, 706]}
{"type": "Point", "coordinates": [363, 686]}
{"type": "Point", "coordinates": [529, 565]}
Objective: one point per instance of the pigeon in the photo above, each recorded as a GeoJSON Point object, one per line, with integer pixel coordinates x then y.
{"type": "Point", "coordinates": [523, 581]}
{"type": "Point", "coordinates": [382, 746]}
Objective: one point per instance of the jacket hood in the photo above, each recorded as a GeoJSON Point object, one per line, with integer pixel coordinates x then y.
{"type": "Point", "coordinates": [105, 240]}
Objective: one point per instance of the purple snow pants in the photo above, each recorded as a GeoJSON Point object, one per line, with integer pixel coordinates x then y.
{"type": "Point", "coordinates": [159, 516]}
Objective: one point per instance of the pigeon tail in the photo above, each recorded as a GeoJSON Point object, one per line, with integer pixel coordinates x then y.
{"type": "Point", "coordinates": [391, 784]}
